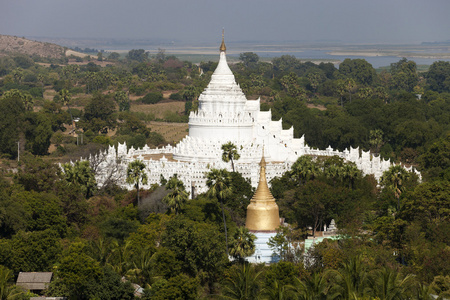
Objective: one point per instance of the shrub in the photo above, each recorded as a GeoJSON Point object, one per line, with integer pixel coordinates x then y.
{"type": "Point", "coordinates": [36, 92]}
{"type": "Point", "coordinates": [101, 139]}
{"type": "Point", "coordinates": [152, 98]}
{"type": "Point", "coordinates": [176, 96]}
{"type": "Point", "coordinates": [137, 90]}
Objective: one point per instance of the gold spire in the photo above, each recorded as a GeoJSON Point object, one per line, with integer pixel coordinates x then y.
{"type": "Point", "coordinates": [262, 212]}
{"type": "Point", "coordinates": [223, 48]}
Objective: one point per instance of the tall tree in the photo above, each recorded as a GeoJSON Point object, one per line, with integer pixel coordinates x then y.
{"type": "Point", "coordinates": [242, 282]}
{"type": "Point", "coordinates": [350, 86]}
{"type": "Point", "coordinates": [122, 99]}
{"type": "Point", "coordinates": [98, 114]}
{"type": "Point", "coordinates": [249, 59]}
{"type": "Point", "coordinates": [438, 76]}
{"type": "Point", "coordinates": [404, 74]}
{"type": "Point", "coordinates": [350, 281]}
{"type": "Point", "coordinates": [340, 89]}
{"type": "Point", "coordinates": [137, 54]}
{"type": "Point", "coordinates": [230, 153]}
{"type": "Point", "coordinates": [7, 289]}
{"type": "Point", "coordinates": [136, 175]}
{"type": "Point", "coordinates": [314, 286]}
{"type": "Point", "coordinates": [177, 195]}
{"type": "Point", "coordinates": [243, 244]}
{"type": "Point", "coordinates": [81, 174]}
{"type": "Point", "coordinates": [387, 284]}
{"type": "Point", "coordinates": [350, 172]}
{"type": "Point", "coordinates": [304, 169]}
{"type": "Point", "coordinates": [358, 69]}
{"type": "Point", "coordinates": [394, 179]}
{"type": "Point", "coordinates": [376, 140]}
{"type": "Point", "coordinates": [219, 185]}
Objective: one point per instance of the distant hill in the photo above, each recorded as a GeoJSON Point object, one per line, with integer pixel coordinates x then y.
{"type": "Point", "coordinates": [13, 44]}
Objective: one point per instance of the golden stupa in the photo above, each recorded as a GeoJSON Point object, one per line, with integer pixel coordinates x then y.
{"type": "Point", "coordinates": [262, 212]}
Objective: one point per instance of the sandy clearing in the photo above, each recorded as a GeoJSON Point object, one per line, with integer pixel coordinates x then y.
{"type": "Point", "coordinates": [70, 52]}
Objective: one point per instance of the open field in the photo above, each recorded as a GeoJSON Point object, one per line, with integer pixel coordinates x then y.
{"type": "Point", "coordinates": [172, 132]}
{"type": "Point", "coordinates": [159, 110]}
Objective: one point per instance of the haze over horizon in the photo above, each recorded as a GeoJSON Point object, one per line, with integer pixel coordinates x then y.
{"type": "Point", "coordinates": [347, 21]}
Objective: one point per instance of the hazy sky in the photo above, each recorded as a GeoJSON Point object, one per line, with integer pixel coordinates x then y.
{"type": "Point", "coordinates": [358, 21]}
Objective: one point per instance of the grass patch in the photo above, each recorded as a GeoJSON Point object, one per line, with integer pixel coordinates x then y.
{"type": "Point", "coordinates": [158, 110]}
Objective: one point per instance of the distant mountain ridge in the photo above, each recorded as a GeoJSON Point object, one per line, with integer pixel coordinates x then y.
{"type": "Point", "coordinates": [14, 44]}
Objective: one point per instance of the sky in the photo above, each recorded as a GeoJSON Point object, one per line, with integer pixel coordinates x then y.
{"type": "Point", "coordinates": [347, 21]}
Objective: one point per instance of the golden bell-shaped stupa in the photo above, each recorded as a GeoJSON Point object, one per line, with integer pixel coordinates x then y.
{"type": "Point", "coordinates": [262, 212]}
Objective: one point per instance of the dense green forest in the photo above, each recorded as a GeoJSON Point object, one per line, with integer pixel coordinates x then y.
{"type": "Point", "coordinates": [98, 241]}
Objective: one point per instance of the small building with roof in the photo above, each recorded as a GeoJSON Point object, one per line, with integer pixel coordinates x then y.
{"type": "Point", "coordinates": [34, 281]}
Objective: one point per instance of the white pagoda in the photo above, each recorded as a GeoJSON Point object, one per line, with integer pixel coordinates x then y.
{"type": "Point", "coordinates": [225, 115]}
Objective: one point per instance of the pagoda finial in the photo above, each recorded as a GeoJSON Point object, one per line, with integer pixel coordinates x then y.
{"type": "Point", "coordinates": [223, 48]}
{"type": "Point", "coordinates": [263, 161]}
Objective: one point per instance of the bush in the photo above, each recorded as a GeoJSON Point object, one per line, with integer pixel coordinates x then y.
{"type": "Point", "coordinates": [36, 92]}
{"type": "Point", "coordinates": [137, 90]}
{"type": "Point", "coordinates": [101, 139]}
{"type": "Point", "coordinates": [76, 90]}
{"type": "Point", "coordinates": [152, 98]}
{"type": "Point", "coordinates": [167, 86]}
{"type": "Point", "coordinates": [170, 116]}
{"type": "Point", "coordinates": [137, 141]}
{"type": "Point", "coordinates": [155, 139]}
{"type": "Point", "coordinates": [30, 78]}
{"type": "Point", "coordinates": [176, 96]}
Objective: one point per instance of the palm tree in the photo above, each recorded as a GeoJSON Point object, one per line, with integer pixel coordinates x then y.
{"type": "Point", "coordinates": [122, 99]}
{"type": "Point", "coordinates": [7, 289]}
{"type": "Point", "coordinates": [365, 93]}
{"type": "Point", "coordinates": [340, 88]}
{"type": "Point", "coordinates": [351, 279]}
{"type": "Point", "coordinates": [387, 284]}
{"type": "Point", "coordinates": [376, 139]}
{"type": "Point", "coordinates": [277, 291]}
{"type": "Point", "coordinates": [100, 250]}
{"type": "Point", "coordinates": [80, 173]}
{"type": "Point", "coordinates": [351, 172]}
{"type": "Point", "coordinates": [18, 74]}
{"type": "Point", "coordinates": [313, 287]}
{"type": "Point", "coordinates": [230, 153]}
{"type": "Point", "coordinates": [41, 79]}
{"type": "Point", "coordinates": [332, 168]}
{"type": "Point", "coordinates": [141, 271]}
{"type": "Point", "coordinates": [394, 178]}
{"type": "Point", "coordinates": [65, 98]}
{"type": "Point", "coordinates": [26, 98]}
{"type": "Point", "coordinates": [242, 283]}
{"type": "Point", "coordinates": [177, 195]}
{"type": "Point", "coordinates": [28, 101]}
{"type": "Point", "coordinates": [190, 93]}
{"type": "Point", "coordinates": [243, 244]}
{"type": "Point", "coordinates": [219, 185]}
{"type": "Point", "coordinates": [350, 85]}
{"type": "Point", "coordinates": [304, 169]}
{"type": "Point", "coordinates": [136, 175]}
{"type": "Point", "coordinates": [422, 292]}
{"type": "Point", "coordinates": [121, 256]}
